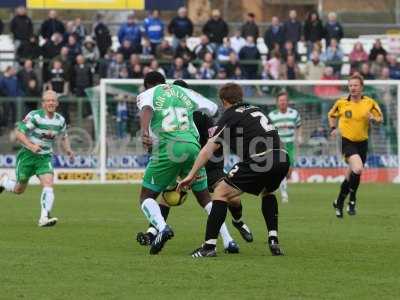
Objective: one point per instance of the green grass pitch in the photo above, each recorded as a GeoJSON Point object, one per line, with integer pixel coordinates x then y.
{"type": "Point", "coordinates": [92, 253]}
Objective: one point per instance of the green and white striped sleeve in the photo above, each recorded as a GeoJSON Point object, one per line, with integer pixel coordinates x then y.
{"type": "Point", "coordinates": [28, 123]}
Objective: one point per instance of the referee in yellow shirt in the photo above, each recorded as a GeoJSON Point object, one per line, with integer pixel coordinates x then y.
{"type": "Point", "coordinates": [354, 114]}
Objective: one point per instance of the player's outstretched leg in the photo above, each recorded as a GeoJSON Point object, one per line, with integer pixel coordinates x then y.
{"type": "Point", "coordinates": [270, 213]}
{"type": "Point", "coordinates": [46, 201]}
{"type": "Point", "coordinates": [237, 221]}
{"type": "Point", "coordinates": [146, 238]}
{"type": "Point", "coordinates": [204, 199]}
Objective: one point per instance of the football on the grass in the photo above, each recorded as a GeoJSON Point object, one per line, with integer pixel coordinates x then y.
{"type": "Point", "coordinates": [173, 197]}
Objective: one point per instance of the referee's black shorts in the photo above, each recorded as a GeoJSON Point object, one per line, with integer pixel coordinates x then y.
{"type": "Point", "coordinates": [350, 148]}
{"type": "Point", "coordinates": [263, 175]}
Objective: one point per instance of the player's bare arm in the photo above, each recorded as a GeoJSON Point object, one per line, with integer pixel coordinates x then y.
{"type": "Point", "coordinates": [145, 117]}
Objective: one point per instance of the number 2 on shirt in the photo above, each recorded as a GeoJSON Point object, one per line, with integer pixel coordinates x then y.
{"type": "Point", "coordinates": [263, 120]}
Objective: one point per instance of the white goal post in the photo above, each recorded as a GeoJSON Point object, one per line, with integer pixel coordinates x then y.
{"type": "Point", "coordinates": [104, 83]}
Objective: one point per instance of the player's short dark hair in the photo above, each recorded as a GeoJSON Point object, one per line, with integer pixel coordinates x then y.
{"type": "Point", "coordinates": [280, 94]}
{"type": "Point", "coordinates": [153, 78]}
{"type": "Point", "coordinates": [357, 77]}
{"type": "Point", "coordinates": [181, 83]}
{"type": "Point", "coordinates": [231, 93]}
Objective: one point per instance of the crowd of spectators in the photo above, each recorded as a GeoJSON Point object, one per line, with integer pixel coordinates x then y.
{"type": "Point", "coordinates": [67, 57]}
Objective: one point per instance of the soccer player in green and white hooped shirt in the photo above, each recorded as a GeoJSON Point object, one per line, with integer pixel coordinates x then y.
{"type": "Point", "coordinates": [288, 122]}
{"type": "Point", "coordinates": [167, 127]}
{"type": "Point", "coordinates": [37, 133]}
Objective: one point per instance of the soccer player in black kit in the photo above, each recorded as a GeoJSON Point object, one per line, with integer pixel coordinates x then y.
{"type": "Point", "coordinates": [263, 165]}
{"type": "Point", "coordinates": [215, 173]}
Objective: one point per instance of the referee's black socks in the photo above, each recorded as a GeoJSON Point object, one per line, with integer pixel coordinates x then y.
{"type": "Point", "coordinates": [344, 191]}
{"type": "Point", "coordinates": [214, 222]}
{"type": "Point", "coordinates": [354, 182]}
{"type": "Point", "coordinates": [270, 212]}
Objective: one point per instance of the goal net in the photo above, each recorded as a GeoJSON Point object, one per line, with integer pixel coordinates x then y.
{"type": "Point", "coordinates": [318, 156]}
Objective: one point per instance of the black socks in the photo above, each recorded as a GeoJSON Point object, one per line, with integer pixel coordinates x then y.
{"type": "Point", "coordinates": [215, 220]}
{"type": "Point", "coordinates": [270, 212]}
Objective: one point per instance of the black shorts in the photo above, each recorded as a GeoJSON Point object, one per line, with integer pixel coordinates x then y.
{"type": "Point", "coordinates": [213, 177]}
{"type": "Point", "coordinates": [263, 175]}
{"type": "Point", "coordinates": [350, 148]}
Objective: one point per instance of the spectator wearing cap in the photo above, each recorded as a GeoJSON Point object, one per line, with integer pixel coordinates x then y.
{"type": "Point", "coordinates": [21, 26]}
{"type": "Point", "coordinates": [29, 49]}
{"type": "Point", "coordinates": [154, 29]}
{"type": "Point", "coordinates": [51, 26]}
{"type": "Point", "coordinates": [178, 70]}
{"type": "Point", "coordinates": [90, 51]}
{"type": "Point", "coordinates": [131, 31]}
{"type": "Point", "coordinates": [313, 31]}
{"type": "Point", "coordinates": [314, 69]}
{"type": "Point", "coordinates": [250, 52]}
{"type": "Point", "coordinates": [102, 35]}
{"type": "Point", "coordinates": [333, 29]}
{"type": "Point", "coordinates": [204, 47]}
{"type": "Point", "coordinates": [237, 41]}
{"type": "Point", "coordinates": [216, 28]}
{"type": "Point", "coordinates": [377, 49]}
{"type": "Point", "coordinates": [250, 28]}
{"type": "Point", "coordinates": [224, 50]}
{"type": "Point", "coordinates": [292, 28]}
{"type": "Point", "coordinates": [274, 34]}
{"type": "Point", "coordinates": [180, 27]}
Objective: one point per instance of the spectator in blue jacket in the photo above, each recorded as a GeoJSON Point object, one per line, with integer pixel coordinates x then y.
{"type": "Point", "coordinates": [224, 50]}
{"type": "Point", "coordinates": [178, 70]}
{"type": "Point", "coordinates": [154, 29]}
{"type": "Point", "coordinates": [11, 87]}
{"type": "Point", "coordinates": [180, 27]}
{"type": "Point", "coordinates": [333, 29]}
{"type": "Point", "coordinates": [132, 32]}
{"type": "Point", "coordinates": [292, 28]}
